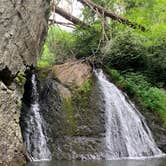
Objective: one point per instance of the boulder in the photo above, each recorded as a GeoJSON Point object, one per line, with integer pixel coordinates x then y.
{"type": "Point", "coordinates": [72, 74]}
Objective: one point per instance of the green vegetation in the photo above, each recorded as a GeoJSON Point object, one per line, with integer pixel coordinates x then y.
{"type": "Point", "coordinates": [81, 95]}
{"type": "Point", "coordinates": [86, 87]}
{"type": "Point", "coordinates": [87, 40]}
{"type": "Point", "coordinates": [58, 47]}
{"type": "Point", "coordinates": [61, 45]}
{"type": "Point", "coordinates": [20, 79]}
{"type": "Point", "coordinates": [78, 103]}
{"type": "Point", "coordinates": [140, 87]}
{"type": "Point", "coordinates": [126, 48]}
{"type": "Point", "coordinates": [69, 112]}
{"type": "Point", "coordinates": [136, 60]}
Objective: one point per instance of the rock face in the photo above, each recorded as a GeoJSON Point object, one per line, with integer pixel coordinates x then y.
{"type": "Point", "coordinates": [72, 106]}
{"type": "Point", "coordinates": [10, 135]}
{"type": "Point", "coordinates": [23, 25]}
{"type": "Point", "coordinates": [73, 111]}
{"type": "Point", "coordinates": [72, 74]}
{"type": "Point", "coordinates": [159, 131]}
{"type": "Point", "coordinates": [22, 29]}
{"type": "Point", "coordinates": [75, 124]}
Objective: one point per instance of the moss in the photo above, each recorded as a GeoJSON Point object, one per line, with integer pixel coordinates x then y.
{"type": "Point", "coordinates": [77, 104]}
{"type": "Point", "coordinates": [43, 72]}
{"type": "Point", "coordinates": [19, 104]}
{"type": "Point", "coordinates": [69, 112]}
{"type": "Point", "coordinates": [81, 95]}
{"type": "Point", "coordinates": [86, 87]}
{"type": "Point", "coordinates": [20, 79]}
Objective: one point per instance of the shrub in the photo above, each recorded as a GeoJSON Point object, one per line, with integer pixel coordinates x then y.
{"type": "Point", "coordinates": [156, 59]}
{"type": "Point", "coordinates": [155, 99]}
{"type": "Point", "coordinates": [126, 52]}
{"type": "Point", "coordinates": [135, 83]}
{"type": "Point", "coordinates": [87, 41]}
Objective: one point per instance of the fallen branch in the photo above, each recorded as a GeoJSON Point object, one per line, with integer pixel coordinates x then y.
{"type": "Point", "coordinates": [67, 24]}
{"type": "Point", "coordinates": [112, 15]}
{"type": "Point", "coordinates": [70, 17]}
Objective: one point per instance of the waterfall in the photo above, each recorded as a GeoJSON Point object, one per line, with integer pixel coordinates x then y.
{"type": "Point", "coordinates": [34, 132]}
{"type": "Point", "coordinates": [127, 134]}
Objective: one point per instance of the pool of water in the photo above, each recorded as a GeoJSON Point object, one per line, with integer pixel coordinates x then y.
{"type": "Point", "coordinates": [143, 162]}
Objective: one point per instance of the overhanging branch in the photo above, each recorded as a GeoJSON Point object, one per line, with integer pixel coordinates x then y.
{"type": "Point", "coordinates": [70, 17]}
{"type": "Point", "coordinates": [112, 15]}
{"type": "Point", "coordinates": [67, 24]}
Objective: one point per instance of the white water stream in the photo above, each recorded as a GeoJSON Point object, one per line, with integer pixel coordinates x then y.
{"type": "Point", "coordinates": [127, 134]}
{"type": "Point", "coordinates": [35, 141]}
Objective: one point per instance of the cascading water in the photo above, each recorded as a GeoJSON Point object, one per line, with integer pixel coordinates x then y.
{"type": "Point", "coordinates": [33, 133]}
{"type": "Point", "coordinates": [127, 134]}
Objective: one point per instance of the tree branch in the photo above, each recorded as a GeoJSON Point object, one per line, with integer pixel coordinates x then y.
{"type": "Point", "coordinates": [67, 24]}
{"type": "Point", "coordinates": [70, 17]}
{"type": "Point", "coordinates": [112, 15]}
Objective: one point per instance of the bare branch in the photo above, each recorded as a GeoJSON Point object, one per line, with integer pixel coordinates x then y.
{"type": "Point", "coordinates": [67, 24]}
{"type": "Point", "coordinates": [112, 15]}
{"type": "Point", "coordinates": [70, 17]}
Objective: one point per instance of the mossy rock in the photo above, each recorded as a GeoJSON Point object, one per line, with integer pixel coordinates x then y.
{"type": "Point", "coordinates": [44, 72]}
{"type": "Point", "coordinates": [20, 79]}
{"type": "Point", "coordinates": [69, 112]}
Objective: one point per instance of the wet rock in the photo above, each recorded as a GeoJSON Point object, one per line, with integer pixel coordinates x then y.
{"type": "Point", "coordinates": [75, 122]}
{"type": "Point", "coordinates": [158, 131]}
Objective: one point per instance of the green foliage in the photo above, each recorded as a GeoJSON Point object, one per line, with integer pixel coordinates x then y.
{"type": "Point", "coordinates": [156, 62]}
{"type": "Point", "coordinates": [126, 52]}
{"type": "Point", "coordinates": [81, 96]}
{"type": "Point", "coordinates": [155, 99]}
{"type": "Point", "coordinates": [150, 13]}
{"type": "Point", "coordinates": [138, 86]}
{"type": "Point", "coordinates": [86, 87]}
{"type": "Point", "coordinates": [47, 58]}
{"type": "Point", "coordinates": [135, 83]}
{"type": "Point", "coordinates": [129, 52]}
{"type": "Point", "coordinates": [69, 112]}
{"type": "Point", "coordinates": [61, 45]}
{"type": "Point", "coordinates": [58, 47]}
{"type": "Point", "coordinates": [20, 79]}
{"type": "Point", "coordinates": [87, 40]}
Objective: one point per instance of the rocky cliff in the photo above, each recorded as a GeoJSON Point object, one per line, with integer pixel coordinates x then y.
{"type": "Point", "coordinates": [23, 25]}
{"type": "Point", "coordinates": [73, 109]}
